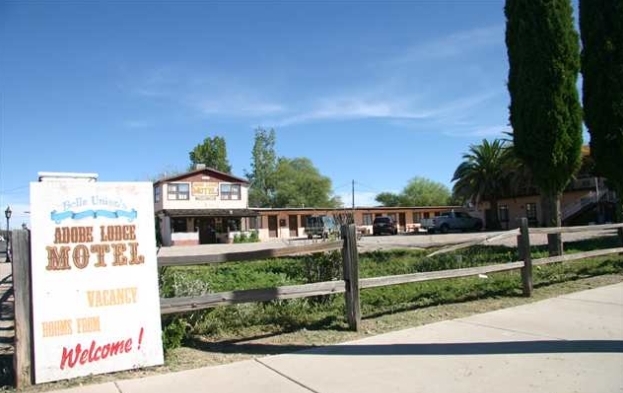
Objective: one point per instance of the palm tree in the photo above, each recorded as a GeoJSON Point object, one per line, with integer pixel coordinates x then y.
{"type": "Point", "coordinates": [484, 175]}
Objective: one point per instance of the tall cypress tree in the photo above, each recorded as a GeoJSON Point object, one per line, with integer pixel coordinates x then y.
{"type": "Point", "coordinates": [601, 26]}
{"type": "Point", "coordinates": [545, 113]}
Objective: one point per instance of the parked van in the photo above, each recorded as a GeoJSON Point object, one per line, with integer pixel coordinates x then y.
{"type": "Point", "coordinates": [323, 226]}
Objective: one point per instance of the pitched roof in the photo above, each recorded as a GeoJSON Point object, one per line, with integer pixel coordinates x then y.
{"type": "Point", "coordinates": [210, 213]}
{"type": "Point", "coordinates": [206, 170]}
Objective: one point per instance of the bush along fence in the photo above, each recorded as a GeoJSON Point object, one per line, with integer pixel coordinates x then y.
{"type": "Point", "coordinates": [350, 284]}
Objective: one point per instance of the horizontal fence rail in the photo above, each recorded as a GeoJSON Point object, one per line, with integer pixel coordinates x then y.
{"type": "Point", "coordinates": [195, 303]}
{"type": "Point", "coordinates": [585, 228]}
{"type": "Point", "coordinates": [480, 240]}
{"type": "Point", "coordinates": [576, 256]}
{"type": "Point", "coordinates": [246, 256]}
{"type": "Point", "coordinates": [441, 274]}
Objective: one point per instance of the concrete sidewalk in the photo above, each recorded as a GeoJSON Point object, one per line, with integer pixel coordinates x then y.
{"type": "Point", "coordinates": [573, 343]}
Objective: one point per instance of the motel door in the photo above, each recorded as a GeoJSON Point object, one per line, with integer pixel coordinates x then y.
{"type": "Point", "coordinates": [294, 225]}
{"type": "Point", "coordinates": [402, 221]}
{"type": "Point", "coordinates": [207, 233]}
{"type": "Point", "coordinates": [272, 226]}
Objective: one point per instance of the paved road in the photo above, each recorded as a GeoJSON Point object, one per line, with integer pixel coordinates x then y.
{"type": "Point", "coordinates": [573, 343]}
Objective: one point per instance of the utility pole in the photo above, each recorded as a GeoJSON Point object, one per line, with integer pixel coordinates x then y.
{"type": "Point", "coordinates": [353, 194]}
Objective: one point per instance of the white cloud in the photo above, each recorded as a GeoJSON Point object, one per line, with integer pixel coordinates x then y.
{"type": "Point", "coordinates": [238, 106]}
{"type": "Point", "coordinates": [343, 108]}
{"type": "Point", "coordinates": [136, 124]}
{"type": "Point", "coordinates": [483, 131]}
{"type": "Point", "coordinates": [454, 44]}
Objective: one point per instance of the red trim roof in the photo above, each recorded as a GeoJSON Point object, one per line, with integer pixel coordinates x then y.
{"type": "Point", "coordinates": [213, 171]}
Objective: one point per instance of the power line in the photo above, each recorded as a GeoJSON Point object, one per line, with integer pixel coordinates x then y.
{"type": "Point", "coordinates": [11, 190]}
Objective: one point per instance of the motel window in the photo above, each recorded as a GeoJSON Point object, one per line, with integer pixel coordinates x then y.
{"type": "Point", "coordinates": [392, 216]}
{"type": "Point", "coordinates": [503, 213]}
{"type": "Point", "coordinates": [157, 193]}
{"type": "Point", "coordinates": [178, 191]}
{"type": "Point", "coordinates": [255, 222]}
{"type": "Point", "coordinates": [367, 219]}
{"type": "Point", "coordinates": [230, 191]}
{"type": "Point", "coordinates": [426, 214]}
{"type": "Point", "coordinates": [234, 224]}
{"type": "Point", "coordinates": [417, 216]}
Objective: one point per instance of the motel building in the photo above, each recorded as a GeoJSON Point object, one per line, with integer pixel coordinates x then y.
{"type": "Point", "coordinates": [206, 206]}
{"type": "Point", "coordinates": [202, 206]}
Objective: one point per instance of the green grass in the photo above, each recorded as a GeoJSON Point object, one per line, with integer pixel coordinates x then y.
{"type": "Point", "coordinates": [327, 312]}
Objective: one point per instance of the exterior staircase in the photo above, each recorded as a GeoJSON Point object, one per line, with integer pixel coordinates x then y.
{"type": "Point", "coordinates": [584, 202]}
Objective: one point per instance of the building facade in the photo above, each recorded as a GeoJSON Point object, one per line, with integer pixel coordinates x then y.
{"type": "Point", "coordinates": [289, 223]}
{"type": "Point", "coordinates": [201, 207]}
{"type": "Point", "coordinates": [587, 200]}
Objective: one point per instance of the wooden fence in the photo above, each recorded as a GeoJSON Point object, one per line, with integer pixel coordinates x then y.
{"type": "Point", "coordinates": [349, 285]}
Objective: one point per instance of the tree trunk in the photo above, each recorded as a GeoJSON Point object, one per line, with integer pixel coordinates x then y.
{"type": "Point", "coordinates": [552, 217]}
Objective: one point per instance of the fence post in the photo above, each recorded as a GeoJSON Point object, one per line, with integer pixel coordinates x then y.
{"type": "Point", "coordinates": [22, 359]}
{"type": "Point", "coordinates": [523, 246]}
{"type": "Point", "coordinates": [350, 258]}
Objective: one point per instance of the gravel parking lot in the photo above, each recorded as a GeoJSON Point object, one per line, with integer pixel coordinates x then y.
{"type": "Point", "coordinates": [372, 243]}
{"type": "Point", "coordinates": [423, 240]}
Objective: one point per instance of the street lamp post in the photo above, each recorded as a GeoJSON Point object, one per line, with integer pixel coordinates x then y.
{"type": "Point", "coordinates": [7, 214]}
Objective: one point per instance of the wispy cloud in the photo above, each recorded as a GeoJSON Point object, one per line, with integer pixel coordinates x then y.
{"type": "Point", "coordinates": [349, 108]}
{"type": "Point", "coordinates": [344, 108]}
{"type": "Point", "coordinates": [214, 95]}
{"type": "Point", "coordinates": [136, 124]}
{"type": "Point", "coordinates": [481, 131]}
{"type": "Point", "coordinates": [453, 45]}
{"type": "Point", "coordinates": [238, 106]}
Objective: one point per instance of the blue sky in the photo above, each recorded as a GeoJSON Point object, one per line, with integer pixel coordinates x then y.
{"type": "Point", "coordinates": [373, 91]}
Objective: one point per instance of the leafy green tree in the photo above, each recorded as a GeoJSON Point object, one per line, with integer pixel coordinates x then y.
{"type": "Point", "coordinates": [297, 183]}
{"type": "Point", "coordinates": [212, 153]}
{"type": "Point", "coordinates": [601, 27]}
{"type": "Point", "coordinates": [389, 199]}
{"type": "Point", "coordinates": [419, 191]}
{"type": "Point", "coordinates": [545, 113]}
{"type": "Point", "coordinates": [484, 175]}
{"type": "Point", "coordinates": [263, 165]}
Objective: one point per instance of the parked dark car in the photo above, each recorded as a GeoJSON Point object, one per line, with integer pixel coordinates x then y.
{"type": "Point", "coordinates": [383, 225]}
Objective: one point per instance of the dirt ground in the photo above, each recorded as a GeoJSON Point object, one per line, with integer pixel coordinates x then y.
{"type": "Point", "coordinates": [372, 243]}
{"type": "Point", "coordinates": [207, 352]}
